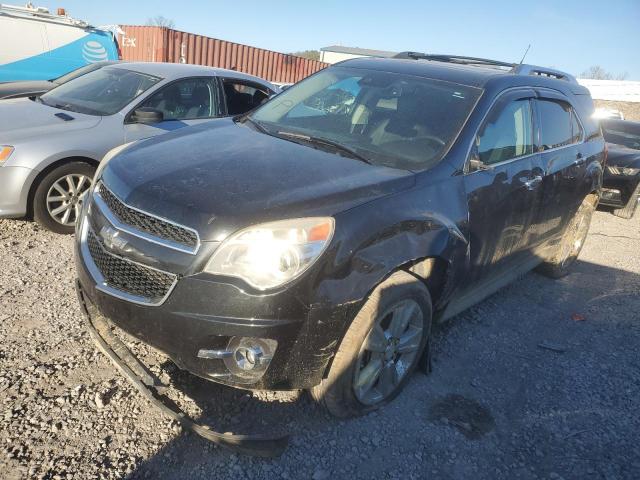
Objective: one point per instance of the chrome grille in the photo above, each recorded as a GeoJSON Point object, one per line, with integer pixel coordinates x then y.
{"type": "Point", "coordinates": [129, 277]}
{"type": "Point", "coordinates": [147, 223]}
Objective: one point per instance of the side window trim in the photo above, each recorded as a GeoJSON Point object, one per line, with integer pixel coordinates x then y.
{"type": "Point", "coordinates": [512, 94]}
{"type": "Point", "coordinates": [212, 79]}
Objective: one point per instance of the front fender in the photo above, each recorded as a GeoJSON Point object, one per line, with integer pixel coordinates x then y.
{"type": "Point", "coordinates": [376, 239]}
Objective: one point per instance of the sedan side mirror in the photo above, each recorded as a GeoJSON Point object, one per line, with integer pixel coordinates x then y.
{"type": "Point", "coordinates": [147, 115]}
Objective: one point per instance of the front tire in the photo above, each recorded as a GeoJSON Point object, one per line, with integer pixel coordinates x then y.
{"type": "Point", "coordinates": [629, 210]}
{"type": "Point", "coordinates": [567, 251]}
{"type": "Point", "coordinates": [56, 202]}
{"type": "Point", "coordinates": [380, 350]}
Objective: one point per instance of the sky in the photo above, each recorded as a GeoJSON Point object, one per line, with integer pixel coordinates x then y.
{"type": "Point", "coordinates": [570, 35]}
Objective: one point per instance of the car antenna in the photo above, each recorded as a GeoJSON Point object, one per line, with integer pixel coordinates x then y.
{"type": "Point", "coordinates": [525, 54]}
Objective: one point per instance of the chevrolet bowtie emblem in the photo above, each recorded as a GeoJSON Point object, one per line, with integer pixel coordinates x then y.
{"type": "Point", "coordinates": [111, 239]}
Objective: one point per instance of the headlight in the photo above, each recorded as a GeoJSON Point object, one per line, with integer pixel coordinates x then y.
{"type": "Point", "coordinates": [5, 152]}
{"type": "Point", "coordinates": [623, 170]}
{"type": "Point", "coordinates": [272, 254]}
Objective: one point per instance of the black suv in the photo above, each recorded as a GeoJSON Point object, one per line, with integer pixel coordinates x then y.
{"type": "Point", "coordinates": [311, 243]}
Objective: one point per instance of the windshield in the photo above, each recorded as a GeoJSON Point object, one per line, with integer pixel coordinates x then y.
{"type": "Point", "coordinates": [396, 120]}
{"type": "Point", "coordinates": [101, 92]}
{"type": "Point", "coordinates": [628, 137]}
{"type": "Point", "coordinates": [78, 72]}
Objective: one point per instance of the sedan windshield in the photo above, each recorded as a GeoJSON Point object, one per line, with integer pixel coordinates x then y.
{"type": "Point", "coordinates": [386, 118]}
{"type": "Point", "coordinates": [79, 72]}
{"type": "Point", "coordinates": [101, 92]}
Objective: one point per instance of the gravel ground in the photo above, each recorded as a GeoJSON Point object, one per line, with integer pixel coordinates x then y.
{"type": "Point", "coordinates": [542, 380]}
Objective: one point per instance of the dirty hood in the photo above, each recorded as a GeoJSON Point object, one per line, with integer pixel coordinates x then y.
{"type": "Point", "coordinates": [222, 176]}
{"type": "Point", "coordinates": [23, 118]}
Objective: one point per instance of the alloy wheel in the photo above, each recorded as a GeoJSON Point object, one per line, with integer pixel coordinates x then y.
{"type": "Point", "coordinates": [65, 196]}
{"type": "Point", "coordinates": [388, 352]}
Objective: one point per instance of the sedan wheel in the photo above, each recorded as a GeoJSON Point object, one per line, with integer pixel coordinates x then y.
{"type": "Point", "coordinates": [64, 198]}
{"type": "Point", "coordinates": [57, 201]}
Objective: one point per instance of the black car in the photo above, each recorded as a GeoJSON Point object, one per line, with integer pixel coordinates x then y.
{"type": "Point", "coordinates": [621, 184]}
{"type": "Point", "coordinates": [35, 88]}
{"type": "Point", "coordinates": [312, 243]}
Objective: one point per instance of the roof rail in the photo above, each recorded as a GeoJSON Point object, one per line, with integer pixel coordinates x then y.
{"type": "Point", "coordinates": [452, 59]}
{"type": "Point", "coordinates": [40, 13]}
{"type": "Point", "coordinates": [515, 68]}
{"type": "Point", "coordinates": [524, 69]}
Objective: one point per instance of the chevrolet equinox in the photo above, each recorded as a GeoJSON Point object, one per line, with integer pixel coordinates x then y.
{"type": "Point", "coordinates": [311, 243]}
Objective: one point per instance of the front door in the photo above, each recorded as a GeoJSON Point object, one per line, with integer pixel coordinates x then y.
{"type": "Point", "coordinates": [182, 103]}
{"type": "Point", "coordinates": [502, 186]}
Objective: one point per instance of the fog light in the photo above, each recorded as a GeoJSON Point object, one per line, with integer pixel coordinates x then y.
{"type": "Point", "coordinates": [249, 357]}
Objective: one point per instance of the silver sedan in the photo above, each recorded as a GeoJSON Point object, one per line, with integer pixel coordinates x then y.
{"type": "Point", "coordinates": [50, 146]}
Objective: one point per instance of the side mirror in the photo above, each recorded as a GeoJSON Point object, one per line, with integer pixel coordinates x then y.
{"type": "Point", "coordinates": [475, 163]}
{"type": "Point", "coordinates": [147, 115]}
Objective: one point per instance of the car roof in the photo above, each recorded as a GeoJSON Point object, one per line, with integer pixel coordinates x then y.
{"type": "Point", "coordinates": [173, 71]}
{"type": "Point", "coordinates": [478, 76]}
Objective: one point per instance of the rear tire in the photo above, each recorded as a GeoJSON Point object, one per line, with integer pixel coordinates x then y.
{"type": "Point", "coordinates": [567, 251]}
{"type": "Point", "coordinates": [56, 202]}
{"type": "Point", "coordinates": [401, 303]}
{"type": "Point", "coordinates": [629, 210]}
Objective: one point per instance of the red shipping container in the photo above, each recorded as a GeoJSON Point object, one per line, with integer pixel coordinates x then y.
{"type": "Point", "coordinates": [160, 44]}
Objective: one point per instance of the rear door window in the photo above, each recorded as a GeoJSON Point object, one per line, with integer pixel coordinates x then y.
{"type": "Point", "coordinates": [242, 97]}
{"type": "Point", "coordinates": [507, 133]}
{"type": "Point", "coordinates": [556, 124]}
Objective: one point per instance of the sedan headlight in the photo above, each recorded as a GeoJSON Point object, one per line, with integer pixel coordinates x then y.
{"type": "Point", "coordinates": [272, 254]}
{"type": "Point", "coordinates": [5, 153]}
{"type": "Point", "coordinates": [623, 170]}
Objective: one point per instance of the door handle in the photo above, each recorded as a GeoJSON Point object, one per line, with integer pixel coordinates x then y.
{"type": "Point", "coordinates": [532, 183]}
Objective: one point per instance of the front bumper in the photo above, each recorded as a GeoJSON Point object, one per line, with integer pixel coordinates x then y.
{"type": "Point", "coordinates": [203, 314]}
{"type": "Point", "coordinates": [15, 183]}
{"type": "Point", "coordinates": [152, 388]}
{"type": "Point", "coordinates": [617, 190]}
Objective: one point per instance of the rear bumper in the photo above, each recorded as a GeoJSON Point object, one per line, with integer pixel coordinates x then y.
{"type": "Point", "coordinates": [15, 183]}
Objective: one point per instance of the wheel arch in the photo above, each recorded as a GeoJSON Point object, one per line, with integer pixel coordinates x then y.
{"type": "Point", "coordinates": [48, 169]}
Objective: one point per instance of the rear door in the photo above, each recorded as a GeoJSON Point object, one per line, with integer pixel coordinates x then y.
{"type": "Point", "coordinates": [185, 102]}
{"type": "Point", "coordinates": [559, 144]}
{"type": "Point", "coordinates": [502, 186]}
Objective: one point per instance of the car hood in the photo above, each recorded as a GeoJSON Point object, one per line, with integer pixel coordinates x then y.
{"type": "Point", "coordinates": [22, 119]}
{"type": "Point", "coordinates": [32, 87]}
{"type": "Point", "coordinates": [621, 156]}
{"type": "Point", "coordinates": [222, 176]}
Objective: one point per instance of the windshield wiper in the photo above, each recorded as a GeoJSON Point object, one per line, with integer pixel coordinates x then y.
{"type": "Point", "coordinates": [323, 141]}
{"type": "Point", "coordinates": [258, 125]}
